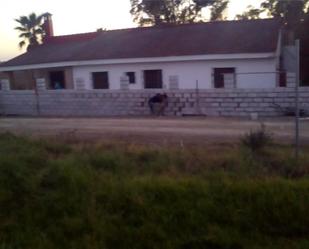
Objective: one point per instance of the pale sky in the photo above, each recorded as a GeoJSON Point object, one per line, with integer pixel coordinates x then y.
{"type": "Point", "coordinates": [72, 16]}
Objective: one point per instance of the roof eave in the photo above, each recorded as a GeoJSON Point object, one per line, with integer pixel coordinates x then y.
{"type": "Point", "coordinates": [266, 55]}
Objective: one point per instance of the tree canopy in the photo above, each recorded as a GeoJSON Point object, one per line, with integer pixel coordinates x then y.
{"type": "Point", "coordinates": [295, 15]}
{"type": "Point", "coordinates": [250, 13]}
{"type": "Point", "coordinates": [31, 30]}
{"type": "Point", "coordinates": [157, 12]}
{"type": "Point", "coordinates": [291, 11]}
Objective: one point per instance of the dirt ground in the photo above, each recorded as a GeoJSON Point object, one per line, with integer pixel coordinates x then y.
{"type": "Point", "coordinates": [152, 130]}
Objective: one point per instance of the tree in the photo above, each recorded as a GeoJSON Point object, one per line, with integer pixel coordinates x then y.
{"type": "Point", "coordinates": [295, 16]}
{"type": "Point", "coordinates": [31, 30]}
{"type": "Point", "coordinates": [157, 12]}
{"type": "Point", "coordinates": [217, 9]}
{"type": "Point", "coordinates": [249, 14]}
{"type": "Point", "coordinates": [292, 11]}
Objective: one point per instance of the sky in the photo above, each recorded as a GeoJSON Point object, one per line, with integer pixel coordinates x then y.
{"type": "Point", "coordinates": [72, 16]}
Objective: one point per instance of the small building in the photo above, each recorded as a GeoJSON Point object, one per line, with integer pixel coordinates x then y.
{"type": "Point", "coordinates": [185, 56]}
{"type": "Point", "coordinates": [226, 68]}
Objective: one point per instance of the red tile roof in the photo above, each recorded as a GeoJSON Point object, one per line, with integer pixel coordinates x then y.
{"type": "Point", "coordinates": [226, 37]}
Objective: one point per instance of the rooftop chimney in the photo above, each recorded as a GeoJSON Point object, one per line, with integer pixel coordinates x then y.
{"type": "Point", "coordinates": [48, 25]}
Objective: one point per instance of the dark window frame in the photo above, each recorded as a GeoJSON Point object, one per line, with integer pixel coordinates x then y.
{"type": "Point", "coordinates": [100, 80]}
{"type": "Point", "coordinates": [153, 79]}
{"type": "Point", "coordinates": [132, 77]}
{"type": "Point", "coordinates": [218, 75]}
{"type": "Point", "coordinates": [57, 76]}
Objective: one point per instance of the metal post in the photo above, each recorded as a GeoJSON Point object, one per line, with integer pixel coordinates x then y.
{"type": "Point", "coordinates": [297, 44]}
{"type": "Point", "coordinates": [198, 111]}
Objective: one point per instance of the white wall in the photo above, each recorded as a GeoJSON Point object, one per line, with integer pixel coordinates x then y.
{"type": "Point", "coordinates": [251, 73]}
{"type": "Point", "coordinates": [257, 74]}
{"type": "Point", "coordinates": [289, 58]}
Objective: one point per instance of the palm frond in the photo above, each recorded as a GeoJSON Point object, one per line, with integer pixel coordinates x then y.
{"type": "Point", "coordinates": [23, 20]}
{"type": "Point", "coordinates": [34, 20]}
{"type": "Point", "coordinates": [22, 44]}
{"type": "Point", "coordinates": [22, 29]}
{"type": "Point", "coordinates": [25, 35]}
{"type": "Point", "coordinates": [38, 31]}
{"type": "Point", "coordinates": [30, 29]}
{"type": "Point", "coordinates": [32, 16]}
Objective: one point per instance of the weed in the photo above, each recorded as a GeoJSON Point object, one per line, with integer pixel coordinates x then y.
{"type": "Point", "coordinates": [255, 141]}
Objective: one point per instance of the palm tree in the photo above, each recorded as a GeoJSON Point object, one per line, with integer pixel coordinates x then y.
{"type": "Point", "coordinates": [31, 30]}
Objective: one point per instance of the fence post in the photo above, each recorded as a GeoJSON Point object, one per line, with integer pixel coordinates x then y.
{"type": "Point", "coordinates": [297, 81]}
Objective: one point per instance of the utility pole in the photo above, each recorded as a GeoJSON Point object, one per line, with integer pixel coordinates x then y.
{"type": "Point", "coordinates": [297, 44]}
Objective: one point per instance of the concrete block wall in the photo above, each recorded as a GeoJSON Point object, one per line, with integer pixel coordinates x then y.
{"type": "Point", "coordinates": [215, 102]}
{"type": "Point", "coordinates": [212, 102]}
{"type": "Point", "coordinates": [18, 102]}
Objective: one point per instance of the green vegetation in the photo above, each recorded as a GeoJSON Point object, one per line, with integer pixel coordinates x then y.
{"type": "Point", "coordinates": [31, 30]}
{"type": "Point", "coordinates": [159, 12]}
{"type": "Point", "coordinates": [257, 140]}
{"type": "Point", "coordinates": [56, 195]}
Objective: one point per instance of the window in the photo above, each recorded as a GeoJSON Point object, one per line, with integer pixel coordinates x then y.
{"type": "Point", "coordinates": [153, 78]}
{"type": "Point", "coordinates": [57, 80]}
{"type": "Point", "coordinates": [131, 76]}
{"type": "Point", "coordinates": [100, 80]}
{"type": "Point", "coordinates": [219, 77]}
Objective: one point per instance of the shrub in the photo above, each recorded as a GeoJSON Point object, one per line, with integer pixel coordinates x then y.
{"type": "Point", "coordinates": [257, 140]}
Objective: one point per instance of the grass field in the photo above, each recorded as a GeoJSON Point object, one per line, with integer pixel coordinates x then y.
{"type": "Point", "coordinates": [72, 194]}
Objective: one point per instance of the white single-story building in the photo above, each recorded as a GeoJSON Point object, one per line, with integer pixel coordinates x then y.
{"type": "Point", "coordinates": [226, 68]}
{"type": "Point", "coordinates": [226, 54]}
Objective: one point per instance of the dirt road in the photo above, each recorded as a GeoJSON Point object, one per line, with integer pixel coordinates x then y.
{"type": "Point", "coordinates": [153, 129]}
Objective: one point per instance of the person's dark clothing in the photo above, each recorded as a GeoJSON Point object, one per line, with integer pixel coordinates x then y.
{"type": "Point", "coordinates": [158, 99]}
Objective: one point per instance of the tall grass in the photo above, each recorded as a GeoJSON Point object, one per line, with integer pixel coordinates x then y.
{"type": "Point", "coordinates": [117, 195]}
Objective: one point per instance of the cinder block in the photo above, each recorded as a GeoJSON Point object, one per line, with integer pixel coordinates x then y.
{"type": "Point", "coordinates": [118, 102]}
{"type": "Point", "coordinates": [5, 85]}
{"type": "Point", "coordinates": [228, 104]}
{"type": "Point", "coordinates": [41, 84]}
